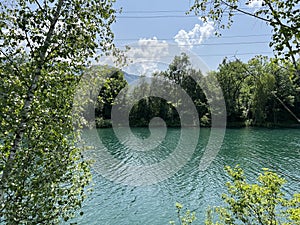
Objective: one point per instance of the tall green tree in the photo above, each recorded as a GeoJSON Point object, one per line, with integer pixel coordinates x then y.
{"type": "Point", "coordinates": [44, 46]}
{"type": "Point", "coordinates": [109, 91]}
{"type": "Point", "coordinates": [258, 92]}
{"type": "Point", "coordinates": [272, 91]}
{"type": "Point", "coordinates": [231, 77]}
{"type": "Point", "coordinates": [179, 74]}
{"type": "Point", "coordinates": [182, 73]}
{"type": "Point", "coordinates": [96, 93]}
{"type": "Point", "coordinates": [263, 82]}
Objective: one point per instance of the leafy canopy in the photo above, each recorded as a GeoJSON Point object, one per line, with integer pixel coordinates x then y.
{"type": "Point", "coordinates": [282, 16]}
{"type": "Point", "coordinates": [44, 45]}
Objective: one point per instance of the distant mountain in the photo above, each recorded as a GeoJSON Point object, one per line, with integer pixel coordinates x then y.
{"type": "Point", "coordinates": [130, 77]}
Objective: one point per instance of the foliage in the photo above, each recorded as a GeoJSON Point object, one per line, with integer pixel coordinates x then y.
{"type": "Point", "coordinates": [102, 123]}
{"type": "Point", "coordinates": [109, 91]}
{"type": "Point", "coordinates": [282, 16]}
{"type": "Point", "coordinates": [258, 92]}
{"type": "Point", "coordinates": [186, 219]}
{"type": "Point", "coordinates": [96, 93]}
{"type": "Point", "coordinates": [46, 177]}
{"type": "Point", "coordinates": [44, 47]}
{"type": "Point", "coordinates": [264, 83]}
{"type": "Point", "coordinates": [151, 106]}
{"type": "Point", "coordinates": [231, 77]}
{"type": "Point", "coordinates": [263, 203]}
{"type": "Point", "coordinates": [178, 75]}
{"type": "Point", "coordinates": [181, 72]}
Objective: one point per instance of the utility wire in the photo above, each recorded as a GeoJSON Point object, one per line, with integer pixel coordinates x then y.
{"type": "Point", "coordinates": [235, 54]}
{"type": "Point", "coordinates": [169, 39]}
{"type": "Point", "coordinates": [162, 16]}
{"type": "Point", "coordinates": [162, 11]}
{"type": "Point", "coordinates": [152, 11]}
{"type": "Point", "coordinates": [208, 44]}
{"type": "Point", "coordinates": [221, 55]}
{"type": "Point", "coordinates": [157, 17]}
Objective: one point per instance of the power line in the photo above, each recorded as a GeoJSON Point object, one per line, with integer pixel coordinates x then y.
{"type": "Point", "coordinates": [213, 44]}
{"type": "Point", "coordinates": [164, 16]}
{"type": "Point", "coordinates": [230, 54]}
{"type": "Point", "coordinates": [219, 55]}
{"type": "Point", "coordinates": [231, 43]}
{"type": "Point", "coordinates": [161, 11]}
{"type": "Point", "coordinates": [152, 11]}
{"type": "Point", "coordinates": [157, 16]}
{"type": "Point", "coordinates": [235, 54]}
{"type": "Point", "coordinates": [170, 39]}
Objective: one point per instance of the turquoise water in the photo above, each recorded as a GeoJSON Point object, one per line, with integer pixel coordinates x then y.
{"type": "Point", "coordinates": [115, 200]}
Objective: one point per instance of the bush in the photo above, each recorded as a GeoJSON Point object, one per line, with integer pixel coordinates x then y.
{"type": "Point", "coordinates": [186, 219]}
{"type": "Point", "coordinates": [263, 203]}
{"type": "Point", "coordinates": [102, 123]}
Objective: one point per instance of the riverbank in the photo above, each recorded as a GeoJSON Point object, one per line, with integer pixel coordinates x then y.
{"type": "Point", "coordinates": [106, 123]}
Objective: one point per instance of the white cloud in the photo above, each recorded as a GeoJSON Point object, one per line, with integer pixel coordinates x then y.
{"type": "Point", "coordinates": [195, 36]}
{"type": "Point", "coordinates": [147, 56]}
{"type": "Point", "coordinates": [150, 55]}
{"type": "Point", "coordinates": [144, 57]}
{"type": "Point", "coordinates": [148, 49]}
{"type": "Point", "coordinates": [255, 3]}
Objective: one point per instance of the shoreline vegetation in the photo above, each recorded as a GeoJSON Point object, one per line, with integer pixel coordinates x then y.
{"type": "Point", "coordinates": [102, 124]}
{"type": "Point", "coordinates": [262, 202]}
{"type": "Point", "coordinates": [259, 93]}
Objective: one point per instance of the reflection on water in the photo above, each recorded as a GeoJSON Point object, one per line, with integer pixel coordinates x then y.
{"type": "Point", "coordinates": [116, 203]}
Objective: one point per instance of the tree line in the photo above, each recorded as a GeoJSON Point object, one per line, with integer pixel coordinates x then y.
{"type": "Point", "coordinates": [260, 92]}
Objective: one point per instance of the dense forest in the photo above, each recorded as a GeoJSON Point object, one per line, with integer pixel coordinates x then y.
{"type": "Point", "coordinates": [260, 92]}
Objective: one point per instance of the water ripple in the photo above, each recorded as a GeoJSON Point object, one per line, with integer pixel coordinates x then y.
{"type": "Point", "coordinates": [253, 149]}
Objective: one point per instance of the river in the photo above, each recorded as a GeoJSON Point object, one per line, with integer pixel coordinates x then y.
{"type": "Point", "coordinates": [117, 201]}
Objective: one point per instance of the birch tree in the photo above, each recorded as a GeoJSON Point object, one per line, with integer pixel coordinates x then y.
{"type": "Point", "coordinates": [44, 46]}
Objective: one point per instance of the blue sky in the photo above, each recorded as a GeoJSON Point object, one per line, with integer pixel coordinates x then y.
{"type": "Point", "coordinates": [143, 20]}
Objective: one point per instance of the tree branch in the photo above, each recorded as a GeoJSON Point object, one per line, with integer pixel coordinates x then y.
{"type": "Point", "coordinates": [28, 100]}
{"type": "Point", "coordinates": [40, 7]}
{"type": "Point", "coordinates": [288, 45]}
{"type": "Point", "coordinates": [245, 12]}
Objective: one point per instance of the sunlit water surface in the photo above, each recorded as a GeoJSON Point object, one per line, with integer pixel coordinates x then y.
{"type": "Point", "coordinates": [114, 203]}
